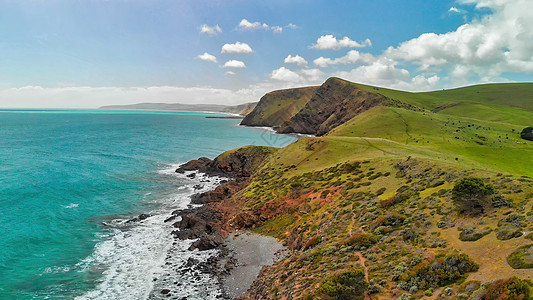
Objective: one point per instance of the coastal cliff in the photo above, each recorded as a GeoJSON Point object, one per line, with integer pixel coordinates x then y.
{"type": "Point", "coordinates": [375, 207]}
{"type": "Point", "coordinates": [334, 102]}
{"type": "Point", "coordinates": [277, 107]}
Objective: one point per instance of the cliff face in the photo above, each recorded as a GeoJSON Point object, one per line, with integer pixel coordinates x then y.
{"type": "Point", "coordinates": [333, 103]}
{"type": "Point", "coordinates": [238, 163]}
{"type": "Point", "coordinates": [277, 107]}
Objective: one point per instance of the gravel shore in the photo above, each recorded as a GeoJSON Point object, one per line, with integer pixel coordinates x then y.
{"type": "Point", "coordinates": [251, 252]}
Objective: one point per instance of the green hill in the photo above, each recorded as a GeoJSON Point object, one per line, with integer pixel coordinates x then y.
{"type": "Point", "coordinates": [370, 208]}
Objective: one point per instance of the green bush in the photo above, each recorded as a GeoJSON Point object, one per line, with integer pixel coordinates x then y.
{"type": "Point", "coordinates": [344, 286]}
{"type": "Point", "coordinates": [361, 240]}
{"type": "Point", "coordinates": [471, 194]}
{"type": "Point", "coordinates": [441, 271]}
{"type": "Point", "coordinates": [512, 288]}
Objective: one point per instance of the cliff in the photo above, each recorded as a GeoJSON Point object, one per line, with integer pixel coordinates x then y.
{"type": "Point", "coordinates": [334, 102]}
{"type": "Point", "coordinates": [277, 107]}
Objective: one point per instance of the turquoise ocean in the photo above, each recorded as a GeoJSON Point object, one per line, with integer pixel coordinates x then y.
{"type": "Point", "coordinates": [70, 180]}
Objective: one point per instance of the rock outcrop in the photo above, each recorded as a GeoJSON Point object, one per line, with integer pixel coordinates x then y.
{"type": "Point", "coordinates": [335, 102]}
{"type": "Point", "coordinates": [239, 163]}
{"type": "Point", "coordinates": [527, 134]}
{"type": "Point", "coordinates": [277, 107]}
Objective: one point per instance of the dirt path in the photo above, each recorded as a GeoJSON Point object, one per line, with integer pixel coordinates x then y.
{"type": "Point", "coordinates": [363, 260]}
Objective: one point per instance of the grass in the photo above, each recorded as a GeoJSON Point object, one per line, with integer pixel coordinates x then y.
{"type": "Point", "coordinates": [322, 194]}
{"type": "Point", "coordinates": [466, 141]}
{"type": "Point", "coordinates": [510, 102]}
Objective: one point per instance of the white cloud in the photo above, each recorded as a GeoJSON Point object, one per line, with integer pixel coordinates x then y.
{"type": "Point", "coordinates": [230, 73]}
{"type": "Point", "coordinates": [329, 42]}
{"type": "Point", "coordinates": [234, 64]}
{"type": "Point", "coordinates": [297, 59]}
{"type": "Point", "coordinates": [291, 26]}
{"type": "Point", "coordinates": [385, 72]}
{"type": "Point", "coordinates": [276, 29]}
{"type": "Point", "coordinates": [498, 43]}
{"type": "Point", "coordinates": [313, 75]}
{"type": "Point", "coordinates": [454, 9]}
{"type": "Point", "coordinates": [247, 25]}
{"type": "Point", "coordinates": [207, 57]}
{"type": "Point", "coordinates": [214, 30]}
{"type": "Point", "coordinates": [238, 47]}
{"type": "Point", "coordinates": [303, 76]}
{"type": "Point", "coordinates": [352, 57]}
{"type": "Point", "coordinates": [284, 74]}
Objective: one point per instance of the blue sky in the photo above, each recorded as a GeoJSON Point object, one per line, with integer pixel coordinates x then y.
{"type": "Point", "coordinates": [90, 53]}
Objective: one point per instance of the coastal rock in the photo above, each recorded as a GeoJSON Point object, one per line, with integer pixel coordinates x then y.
{"type": "Point", "coordinates": [207, 242]}
{"type": "Point", "coordinates": [527, 134]}
{"type": "Point", "coordinates": [239, 163]}
{"type": "Point", "coordinates": [140, 217]}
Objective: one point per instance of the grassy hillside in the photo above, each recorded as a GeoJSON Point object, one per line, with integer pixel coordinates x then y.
{"type": "Point", "coordinates": [504, 102]}
{"type": "Point", "coordinates": [277, 107]}
{"type": "Point", "coordinates": [370, 210]}
{"type": "Point", "coordinates": [491, 145]}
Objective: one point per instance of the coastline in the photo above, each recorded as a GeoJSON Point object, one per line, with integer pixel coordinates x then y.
{"type": "Point", "coordinates": [214, 248]}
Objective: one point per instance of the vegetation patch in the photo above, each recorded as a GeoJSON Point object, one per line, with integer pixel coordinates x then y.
{"type": "Point", "coordinates": [346, 285]}
{"type": "Point", "coordinates": [522, 258]}
{"type": "Point", "coordinates": [361, 240]}
{"type": "Point", "coordinates": [471, 234]}
{"type": "Point", "coordinates": [512, 288]}
{"type": "Point", "coordinates": [441, 271]}
{"type": "Point", "coordinates": [471, 194]}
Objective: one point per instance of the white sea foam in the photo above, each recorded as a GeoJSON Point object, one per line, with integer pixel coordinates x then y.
{"type": "Point", "coordinates": [71, 205]}
{"type": "Point", "coordinates": [137, 261]}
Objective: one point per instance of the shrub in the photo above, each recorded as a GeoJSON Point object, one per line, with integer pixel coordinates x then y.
{"type": "Point", "coordinates": [361, 240]}
{"type": "Point", "coordinates": [512, 288]}
{"type": "Point", "coordinates": [441, 271]}
{"type": "Point", "coordinates": [398, 198]}
{"type": "Point", "coordinates": [471, 193]}
{"type": "Point", "coordinates": [346, 285]}
{"type": "Point", "coordinates": [521, 258]}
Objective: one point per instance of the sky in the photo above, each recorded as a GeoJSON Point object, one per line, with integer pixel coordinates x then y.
{"type": "Point", "coordinates": [84, 54]}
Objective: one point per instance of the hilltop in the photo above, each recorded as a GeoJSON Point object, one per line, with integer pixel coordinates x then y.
{"type": "Point", "coordinates": [397, 196]}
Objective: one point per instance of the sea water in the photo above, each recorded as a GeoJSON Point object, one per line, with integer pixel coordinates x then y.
{"type": "Point", "coordinates": [70, 180]}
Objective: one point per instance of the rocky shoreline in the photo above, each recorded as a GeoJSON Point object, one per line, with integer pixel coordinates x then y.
{"type": "Point", "coordinates": [209, 224]}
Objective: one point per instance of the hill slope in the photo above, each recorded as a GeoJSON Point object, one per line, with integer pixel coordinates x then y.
{"type": "Point", "coordinates": [277, 107]}
{"type": "Point", "coordinates": [369, 210]}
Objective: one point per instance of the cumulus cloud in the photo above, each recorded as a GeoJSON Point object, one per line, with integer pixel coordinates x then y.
{"type": "Point", "coordinates": [352, 57]}
{"type": "Point", "coordinates": [234, 64]}
{"type": "Point", "coordinates": [297, 59]}
{"type": "Point", "coordinates": [207, 57]}
{"type": "Point", "coordinates": [291, 26]}
{"type": "Point", "coordinates": [247, 25]}
{"type": "Point", "coordinates": [214, 30]}
{"type": "Point", "coordinates": [308, 76]}
{"type": "Point", "coordinates": [385, 72]}
{"type": "Point", "coordinates": [230, 73]}
{"type": "Point", "coordinates": [238, 48]}
{"type": "Point", "coordinates": [488, 47]}
{"type": "Point", "coordinates": [329, 42]}
{"type": "Point", "coordinates": [284, 74]}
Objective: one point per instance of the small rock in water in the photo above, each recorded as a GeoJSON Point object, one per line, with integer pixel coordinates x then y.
{"type": "Point", "coordinates": [165, 291]}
